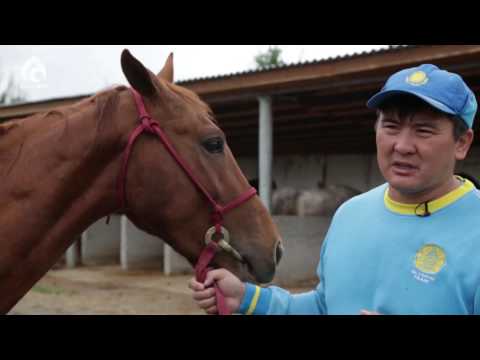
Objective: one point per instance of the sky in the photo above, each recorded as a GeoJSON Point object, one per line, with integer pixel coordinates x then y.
{"type": "Point", "coordinates": [43, 72]}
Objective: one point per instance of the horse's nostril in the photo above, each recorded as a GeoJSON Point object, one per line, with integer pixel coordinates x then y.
{"type": "Point", "coordinates": [278, 252]}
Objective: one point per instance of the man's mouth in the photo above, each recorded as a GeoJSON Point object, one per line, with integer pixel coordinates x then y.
{"type": "Point", "coordinates": [403, 168]}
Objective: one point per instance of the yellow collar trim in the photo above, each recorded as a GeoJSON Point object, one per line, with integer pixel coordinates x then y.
{"type": "Point", "coordinates": [433, 206]}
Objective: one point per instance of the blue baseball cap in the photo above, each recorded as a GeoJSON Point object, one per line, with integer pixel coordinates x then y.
{"type": "Point", "coordinates": [441, 89]}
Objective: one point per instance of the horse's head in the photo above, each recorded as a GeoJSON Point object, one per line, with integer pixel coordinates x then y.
{"type": "Point", "coordinates": [164, 201]}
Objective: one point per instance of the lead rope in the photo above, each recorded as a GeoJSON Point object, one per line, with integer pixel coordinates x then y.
{"type": "Point", "coordinates": [201, 271]}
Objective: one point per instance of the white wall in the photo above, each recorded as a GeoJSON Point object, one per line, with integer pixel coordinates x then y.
{"type": "Point", "coordinates": [101, 242]}
{"type": "Point", "coordinates": [305, 171]}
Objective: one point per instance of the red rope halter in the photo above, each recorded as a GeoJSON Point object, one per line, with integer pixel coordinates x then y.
{"type": "Point", "coordinates": [147, 124]}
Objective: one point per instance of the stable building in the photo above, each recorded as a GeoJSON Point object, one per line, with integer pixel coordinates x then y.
{"type": "Point", "coordinates": [298, 124]}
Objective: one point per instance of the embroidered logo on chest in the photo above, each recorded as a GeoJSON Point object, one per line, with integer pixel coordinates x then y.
{"type": "Point", "coordinates": [429, 260]}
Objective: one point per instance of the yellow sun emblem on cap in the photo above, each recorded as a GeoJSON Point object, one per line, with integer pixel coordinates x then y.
{"type": "Point", "coordinates": [430, 259]}
{"type": "Point", "coordinates": [417, 78]}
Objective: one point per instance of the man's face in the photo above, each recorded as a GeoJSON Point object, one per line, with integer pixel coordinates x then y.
{"type": "Point", "coordinates": [417, 154]}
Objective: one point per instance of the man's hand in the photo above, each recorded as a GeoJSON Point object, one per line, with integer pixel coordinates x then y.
{"type": "Point", "coordinates": [229, 284]}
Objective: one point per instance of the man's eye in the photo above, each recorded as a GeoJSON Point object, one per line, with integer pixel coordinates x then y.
{"type": "Point", "coordinates": [390, 125]}
{"type": "Point", "coordinates": [214, 145]}
{"type": "Point", "coordinates": [425, 130]}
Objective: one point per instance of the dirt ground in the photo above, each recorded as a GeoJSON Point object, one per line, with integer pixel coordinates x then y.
{"type": "Point", "coordinates": [102, 290]}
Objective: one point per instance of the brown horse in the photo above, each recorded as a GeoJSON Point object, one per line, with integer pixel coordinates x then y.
{"type": "Point", "coordinates": [59, 172]}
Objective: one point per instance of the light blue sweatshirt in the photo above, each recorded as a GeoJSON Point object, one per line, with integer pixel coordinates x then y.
{"type": "Point", "coordinates": [384, 256]}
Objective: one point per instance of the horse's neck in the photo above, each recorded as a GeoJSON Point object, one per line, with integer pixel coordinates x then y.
{"type": "Point", "coordinates": [58, 178]}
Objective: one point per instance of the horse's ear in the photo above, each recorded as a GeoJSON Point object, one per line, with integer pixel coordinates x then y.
{"type": "Point", "coordinates": [137, 75]}
{"type": "Point", "coordinates": [167, 72]}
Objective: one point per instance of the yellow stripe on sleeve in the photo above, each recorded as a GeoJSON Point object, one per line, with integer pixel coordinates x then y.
{"type": "Point", "coordinates": [254, 302]}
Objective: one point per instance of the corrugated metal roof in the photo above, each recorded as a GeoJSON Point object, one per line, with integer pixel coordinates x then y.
{"type": "Point", "coordinates": [390, 48]}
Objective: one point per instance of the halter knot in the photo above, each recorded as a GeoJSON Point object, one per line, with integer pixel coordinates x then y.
{"type": "Point", "coordinates": [148, 124]}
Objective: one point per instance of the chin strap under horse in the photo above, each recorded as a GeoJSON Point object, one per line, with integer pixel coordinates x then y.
{"type": "Point", "coordinates": [147, 124]}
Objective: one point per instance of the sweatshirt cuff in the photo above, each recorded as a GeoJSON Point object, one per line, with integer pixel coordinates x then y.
{"type": "Point", "coordinates": [255, 300]}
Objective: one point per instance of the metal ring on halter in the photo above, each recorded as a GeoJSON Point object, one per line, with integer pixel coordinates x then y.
{"type": "Point", "coordinates": [224, 242]}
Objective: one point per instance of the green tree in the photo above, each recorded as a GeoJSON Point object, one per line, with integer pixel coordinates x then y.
{"type": "Point", "coordinates": [270, 58]}
{"type": "Point", "coordinates": [11, 94]}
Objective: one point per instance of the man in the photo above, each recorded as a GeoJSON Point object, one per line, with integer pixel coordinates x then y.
{"type": "Point", "coordinates": [409, 246]}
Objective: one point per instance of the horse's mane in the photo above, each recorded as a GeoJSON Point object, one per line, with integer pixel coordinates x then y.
{"type": "Point", "coordinates": [105, 102]}
{"type": "Point", "coordinates": [7, 127]}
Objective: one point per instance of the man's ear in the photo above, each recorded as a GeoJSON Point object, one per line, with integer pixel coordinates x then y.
{"type": "Point", "coordinates": [463, 145]}
{"type": "Point", "coordinates": [167, 72]}
{"type": "Point", "coordinates": [138, 76]}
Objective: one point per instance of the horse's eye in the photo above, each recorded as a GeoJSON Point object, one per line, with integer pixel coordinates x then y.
{"type": "Point", "coordinates": [214, 145]}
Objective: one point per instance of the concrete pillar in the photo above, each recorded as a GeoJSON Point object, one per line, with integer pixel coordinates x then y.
{"type": "Point", "coordinates": [265, 149]}
{"type": "Point", "coordinates": [139, 250]}
{"type": "Point", "coordinates": [167, 256]}
{"type": "Point", "coordinates": [73, 256]}
{"type": "Point", "coordinates": [174, 263]}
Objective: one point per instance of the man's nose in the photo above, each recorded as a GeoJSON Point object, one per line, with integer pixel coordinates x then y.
{"type": "Point", "coordinates": [405, 142]}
